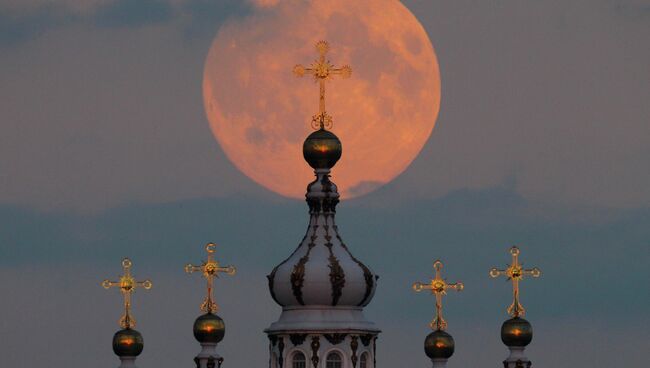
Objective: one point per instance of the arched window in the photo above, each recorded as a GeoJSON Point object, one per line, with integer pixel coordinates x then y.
{"type": "Point", "coordinates": [333, 360]}
{"type": "Point", "coordinates": [298, 360]}
{"type": "Point", "coordinates": [363, 363]}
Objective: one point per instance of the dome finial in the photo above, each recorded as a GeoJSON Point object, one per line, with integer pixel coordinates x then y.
{"type": "Point", "coordinates": [322, 70]}
{"type": "Point", "coordinates": [210, 269]}
{"type": "Point", "coordinates": [515, 272]}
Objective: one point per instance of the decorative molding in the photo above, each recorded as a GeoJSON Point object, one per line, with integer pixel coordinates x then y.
{"type": "Point", "coordinates": [298, 278]}
{"type": "Point", "coordinates": [354, 345]}
{"type": "Point", "coordinates": [374, 352]}
{"type": "Point", "coordinates": [337, 277]}
{"type": "Point", "coordinates": [273, 339]}
{"type": "Point", "coordinates": [315, 345]}
{"type": "Point", "coordinates": [335, 338]}
{"type": "Point", "coordinates": [297, 339]}
{"type": "Point", "coordinates": [281, 349]}
{"type": "Point", "coordinates": [367, 275]}
{"type": "Point", "coordinates": [366, 339]}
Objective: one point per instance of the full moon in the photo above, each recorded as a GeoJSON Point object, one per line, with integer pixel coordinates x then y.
{"type": "Point", "coordinates": [260, 113]}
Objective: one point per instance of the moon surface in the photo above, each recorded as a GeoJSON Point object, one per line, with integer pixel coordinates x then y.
{"type": "Point", "coordinates": [260, 113]}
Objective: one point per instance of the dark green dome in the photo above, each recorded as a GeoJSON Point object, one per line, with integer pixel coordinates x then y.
{"type": "Point", "coordinates": [127, 342]}
{"type": "Point", "coordinates": [439, 344]}
{"type": "Point", "coordinates": [209, 328]}
{"type": "Point", "coordinates": [322, 149]}
{"type": "Point", "coordinates": [516, 332]}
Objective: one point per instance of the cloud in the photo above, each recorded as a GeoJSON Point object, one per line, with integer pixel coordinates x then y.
{"type": "Point", "coordinates": [26, 20]}
{"type": "Point", "coordinates": [125, 13]}
{"type": "Point", "coordinates": [264, 3]}
{"type": "Point", "coordinates": [55, 261]}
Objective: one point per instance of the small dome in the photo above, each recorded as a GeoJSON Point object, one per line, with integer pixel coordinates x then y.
{"type": "Point", "coordinates": [209, 328]}
{"type": "Point", "coordinates": [322, 149]}
{"type": "Point", "coordinates": [127, 342]}
{"type": "Point", "coordinates": [439, 344]}
{"type": "Point", "coordinates": [516, 332]}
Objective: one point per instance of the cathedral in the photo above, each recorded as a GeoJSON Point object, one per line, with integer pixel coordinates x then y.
{"type": "Point", "coordinates": [322, 287]}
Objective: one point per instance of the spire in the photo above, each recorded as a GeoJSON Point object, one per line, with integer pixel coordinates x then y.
{"type": "Point", "coordinates": [516, 333]}
{"type": "Point", "coordinates": [322, 260]}
{"type": "Point", "coordinates": [321, 286]}
{"type": "Point", "coordinates": [127, 342]}
{"type": "Point", "coordinates": [209, 329]}
{"type": "Point", "coordinates": [438, 345]}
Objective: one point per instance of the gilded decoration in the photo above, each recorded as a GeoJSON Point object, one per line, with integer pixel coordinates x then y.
{"type": "Point", "coordinates": [322, 70]}
{"type": "Point", "coordinates": [438, 287]}
{"type": "Point", "coordinates": [515, 273]}
{"type": "Point", "coordinates": [210, 270]}
{"type": "Point", "coordinates": [127, 285]}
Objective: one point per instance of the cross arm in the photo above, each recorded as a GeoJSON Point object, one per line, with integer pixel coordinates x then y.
{"type": "Point", "coordinates": [229, 270]}
{"type": "Point", "coordinates": [345, 71]}
{"type": "Point", "coordinates": [456, 286]}
{"type": "Point", "coordinates": [418, 287]}
{"type": "Point", "coordinates": [147, 284]}
{"type": "Point", "coordinates": [495, 272]}
{"type": "Point", "coordinates": [299, 70]}
{"type": "Point", "coordinates": [534, 272]}
{"type": "Point", "coordinates": [190, 268]}
{"type": "Point", "coordinates": [107, 284]}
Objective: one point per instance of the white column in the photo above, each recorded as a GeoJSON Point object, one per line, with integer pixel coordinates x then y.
{"type": "Point", "coordinates": [208, 350]}
{"type": "Point", "coordinates": [439, 362]}
{"type": "Point", "coordinates": [127, 362]}
{"type": "Point", "coordinates": [516, 354]}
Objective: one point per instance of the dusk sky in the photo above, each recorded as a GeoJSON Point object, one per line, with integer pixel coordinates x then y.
{"type": "Point", "coordinates": [542, 140]}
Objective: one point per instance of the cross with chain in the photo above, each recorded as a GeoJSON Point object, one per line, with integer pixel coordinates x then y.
{"type": "Point", "coordinates": [210, 269]}
{"type": "Point", "coordinates": [322, 70]}
{"type": "Point", "coordinates": [127, 285]}
{"type": "Point", "coordinates": [438, 286]}
{"type": "Point", "coordinates": [515, 272]}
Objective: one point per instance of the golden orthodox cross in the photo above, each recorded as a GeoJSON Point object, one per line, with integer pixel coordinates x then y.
{"type": "Point", "coordinates": [322, 70]}
{"type": "Point", "coordinates": [515, 272]}
{"type": "Point", "coordinates": [210, 269]}
{"type": "Point", "coordinates": [127, 285]}
{"type": "Point", "coordinates": [438, 286]}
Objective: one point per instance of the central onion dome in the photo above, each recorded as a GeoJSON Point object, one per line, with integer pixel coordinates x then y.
{"type": "Point", "coordinates": [322, 271]}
